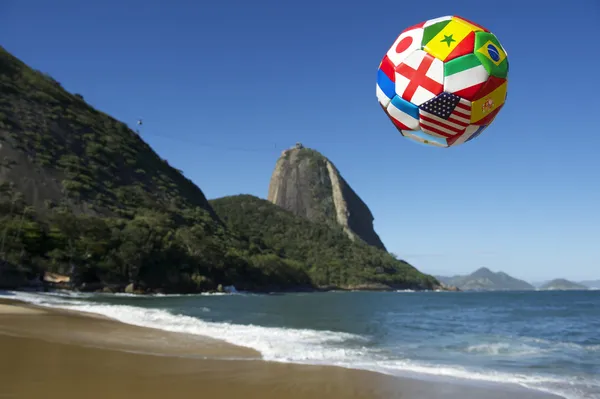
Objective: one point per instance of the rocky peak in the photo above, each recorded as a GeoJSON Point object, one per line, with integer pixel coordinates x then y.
{"type": "Point", "coordinates": [482, 272]}
{"type": "Point", "coordinates": [307, 184]}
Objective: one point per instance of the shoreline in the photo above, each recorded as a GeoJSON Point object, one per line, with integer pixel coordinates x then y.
{"type": "Point", "coordinates": [186, 359]}
{"type": "Point", "coordinates": [48, 281]}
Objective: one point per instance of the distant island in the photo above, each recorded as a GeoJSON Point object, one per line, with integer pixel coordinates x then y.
{"type": "Point", "coordinates": [593, 284]}
{"type": "Point", "coordinates": [562, 285]}
{"type": "Point", "coordinates": [484, 279]}
{"type": "Point", "coordinates": [86, 204]}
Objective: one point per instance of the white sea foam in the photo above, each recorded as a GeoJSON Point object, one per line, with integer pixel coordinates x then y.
{"type": "Point", "coordinates": [307, 346]}
{"type": "Point", "coordinates": [277, 344]}
{"type": "Point", "coordinates": [124, 294]}
{"type": "Point", "coordinates": [504, 349]}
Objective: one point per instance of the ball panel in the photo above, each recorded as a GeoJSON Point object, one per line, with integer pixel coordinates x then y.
{"type": "Point", "coordinates": [465, 76]}
{"type": "Point", "coordinates": [420, 77]}
{"type": "Point", "coordinates": [465, 47]}
{"type": "Point", "coordinates": [388, 68]}
{"type": "Point", "coordinates": [446, 116]}
{"type": "Point", "coordinates": [385, 81]}
{"type": "Point", "coordinates": [397, 123]}
{"type": "Point", "coordinates": [382, 98]}
{"type": "Point", "coordinates": [384, 108]}
{"type": "Point", "coordinates": [476, 132]}
{"type": "Point", "coordinates": [491, 96]}
{"type": "Point", "coordinates": [424, 138]}
{"type": "Point", "coordinates": [434, 21]}
{"type": "Point", "coordinates": [404, 114]}
{"type": "Point", "coordinates": [475, 27]}
{"type": "Point", "coordinates": [491, 54]}
{"type": "Point", "coordinates": [486, 120]}
{"type": "Point", "coordinates": [385, 87]}
{"type": "Point", "coordinates": [407, 42]}
{"type": "Point", "coordinates": [453, 40]}
{"type": "Point", "coordinates": [471, 132]}
{"type": "Point", "coordinates": [431, 31]}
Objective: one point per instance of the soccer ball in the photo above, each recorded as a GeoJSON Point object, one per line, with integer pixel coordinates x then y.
{"type": "Point", "coordinates": [443, 81]}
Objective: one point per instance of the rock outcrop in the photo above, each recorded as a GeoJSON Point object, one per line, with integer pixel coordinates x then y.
{"type": "Point", "coordinates": [307, 184]}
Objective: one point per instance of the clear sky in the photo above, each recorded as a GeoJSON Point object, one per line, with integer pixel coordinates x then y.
{"type": "Point", "coordinates": [223, 87]}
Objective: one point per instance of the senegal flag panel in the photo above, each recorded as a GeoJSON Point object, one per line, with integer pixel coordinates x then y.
{"type": "Point", "coordinates": [447, 40]}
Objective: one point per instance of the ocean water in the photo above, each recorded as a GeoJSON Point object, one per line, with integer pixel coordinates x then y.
{"type": "Point", "coordinates": [549, 341]}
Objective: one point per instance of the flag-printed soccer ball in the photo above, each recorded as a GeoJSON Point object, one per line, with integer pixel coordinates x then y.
{"type": "Point", "coordinates": [443, 81]}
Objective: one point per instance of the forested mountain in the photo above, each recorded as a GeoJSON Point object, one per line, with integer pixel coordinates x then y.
{"type": "Point", "coordinates": [81, 194]}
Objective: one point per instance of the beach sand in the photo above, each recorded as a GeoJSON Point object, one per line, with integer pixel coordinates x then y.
{"type": "Point", "coordinates": [48, 353]}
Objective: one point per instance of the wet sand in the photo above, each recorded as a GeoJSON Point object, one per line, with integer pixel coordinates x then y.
{"type": "Point", "coordinates": [47, 353]}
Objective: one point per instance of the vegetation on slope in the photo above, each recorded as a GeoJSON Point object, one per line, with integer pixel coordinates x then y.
{"type": "Point", "coordinates": [157, 251]}
{"type": "Point", "coordinates": [327, 254]}
{"type": "Point", "coordinates": [97, 160]}
{"type": "Point", "coordinates": [81, 194]}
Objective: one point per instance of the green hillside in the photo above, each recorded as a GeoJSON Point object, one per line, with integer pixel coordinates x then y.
{"type": "Point", "coordinates": [83, 194]}
{"type": "Point", "coordinates": [326, 252]}
{"type": "Point", "coordinates": [58, 149]}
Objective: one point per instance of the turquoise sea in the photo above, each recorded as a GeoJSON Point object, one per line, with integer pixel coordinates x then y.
{"type": "Point", "coordinates": [546, 340]}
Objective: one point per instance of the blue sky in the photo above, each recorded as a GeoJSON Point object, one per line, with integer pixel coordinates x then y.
{"type": "Point", "coordinates": [223, 87]}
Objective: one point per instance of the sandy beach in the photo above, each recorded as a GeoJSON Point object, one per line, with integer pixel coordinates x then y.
{"type": "Point", "coordinates": [49, 353]}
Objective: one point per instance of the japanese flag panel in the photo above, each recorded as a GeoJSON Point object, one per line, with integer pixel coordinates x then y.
{"type": "Point", "coordinates": [420, 77]}
{"type": "Point", "coordinates": [408, 41]}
